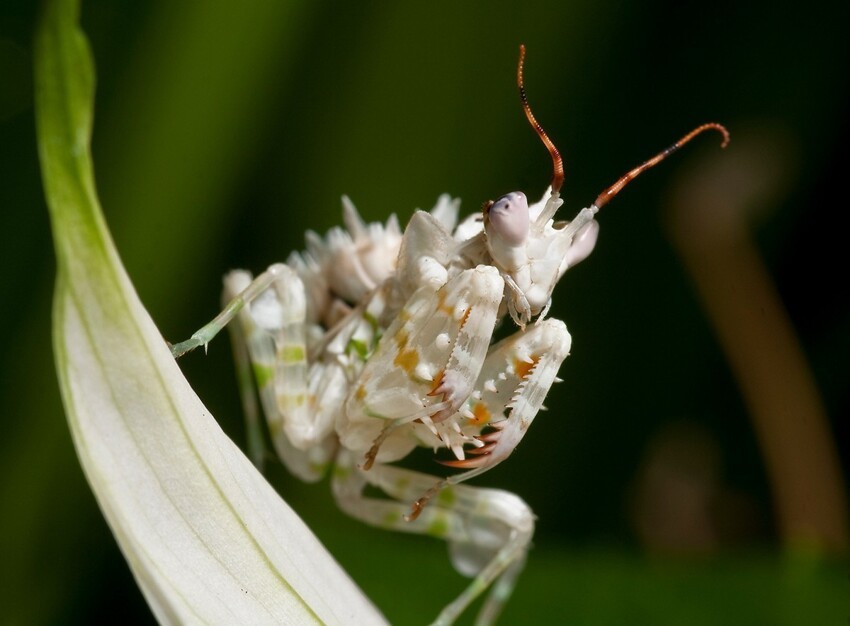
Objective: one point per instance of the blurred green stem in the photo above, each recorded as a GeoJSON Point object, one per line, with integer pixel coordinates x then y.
{"type": "Point", "coordinates": [710, 226]}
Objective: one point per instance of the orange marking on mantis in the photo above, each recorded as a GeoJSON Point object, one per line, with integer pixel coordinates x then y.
{"type": "Point", "coordinates": [407, 360]}
{"type": "Point", "coordinates": [521, 368]}
{"type": "Point", "coordinates": [482, 414]}
{"type": "Point", "coordinates": [438, 381]}
{"type": "Point", "coordinates": [441, 303]}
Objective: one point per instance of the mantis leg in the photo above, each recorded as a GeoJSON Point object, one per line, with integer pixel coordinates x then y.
{"type": "Point", "coordinates": [269, 340]}
{"type": "Point", "coordinates": [488, 530]}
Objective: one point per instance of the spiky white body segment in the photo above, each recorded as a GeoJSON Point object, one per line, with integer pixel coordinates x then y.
{"type": "Point", "coordinates": [372, 343]}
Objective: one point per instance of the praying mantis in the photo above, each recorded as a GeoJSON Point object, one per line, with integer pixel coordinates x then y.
{"type": "Point", "coordinates": [377, 340]}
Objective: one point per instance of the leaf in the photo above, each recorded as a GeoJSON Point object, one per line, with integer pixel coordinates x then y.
{"type": "Point", "coordinates": [207, 538]}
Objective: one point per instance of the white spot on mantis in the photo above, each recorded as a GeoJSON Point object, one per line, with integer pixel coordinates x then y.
{"type": "Point", "coordinates": [423, 372]}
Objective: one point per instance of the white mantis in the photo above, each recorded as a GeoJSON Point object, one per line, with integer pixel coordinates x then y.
{"type": "Point", "coordinates": [374, 342]}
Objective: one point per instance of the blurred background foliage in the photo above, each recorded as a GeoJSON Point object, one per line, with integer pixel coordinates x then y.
{"type": "Point", "coordinates": [224, 130]}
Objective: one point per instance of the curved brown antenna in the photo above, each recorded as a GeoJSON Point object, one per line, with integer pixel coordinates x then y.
{"type": "Point", "coordinates": [557, 161]}
{"type": "Point", "coordinates": [614, 189]}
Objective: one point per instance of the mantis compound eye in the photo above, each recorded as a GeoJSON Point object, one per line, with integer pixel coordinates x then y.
{"type": "Point", "coordinates": [507, 219]}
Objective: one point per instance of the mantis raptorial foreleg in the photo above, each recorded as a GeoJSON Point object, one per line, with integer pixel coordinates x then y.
{"type": "Point", "coordinates": [425, 365]}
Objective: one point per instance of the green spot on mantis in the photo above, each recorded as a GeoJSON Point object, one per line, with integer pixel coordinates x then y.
{"type": "Point", "coordinates": [264, 374]}
{"type": "Point", "coordinates": [439, 527]}
{"type": "Point", "coordinates": [292, 354]}
{"type": "Point", "coordinates": [446, 497]}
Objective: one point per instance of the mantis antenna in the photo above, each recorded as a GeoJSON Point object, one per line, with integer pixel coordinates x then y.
{"type": "Point", "coordinates": [557, 161]}
{"type": "Point", "coordinates": [613, 190]}
{"type": "Point", "coordinates": [629, 176]}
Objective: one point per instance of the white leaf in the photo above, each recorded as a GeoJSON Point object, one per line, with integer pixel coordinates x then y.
{"type": "Point", "coordinates": [207, 538]}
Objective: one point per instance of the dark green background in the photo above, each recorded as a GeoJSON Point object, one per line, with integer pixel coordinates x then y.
{"type": "Point", "coordinates": [223, 132]}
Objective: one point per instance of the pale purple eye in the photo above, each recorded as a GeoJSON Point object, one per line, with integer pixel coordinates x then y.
{"type": "Point", "coordinates": [507, 219]}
